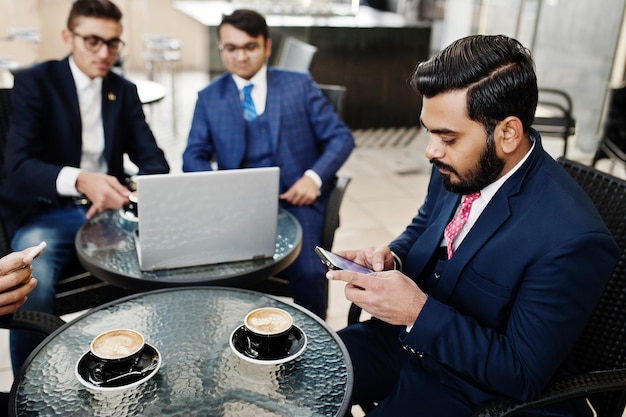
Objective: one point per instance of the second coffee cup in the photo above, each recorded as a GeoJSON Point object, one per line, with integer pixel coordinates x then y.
{"type": "Point", "coordinates": [268, 330]}
{"type": "Point", "coordinates": [119, 348]}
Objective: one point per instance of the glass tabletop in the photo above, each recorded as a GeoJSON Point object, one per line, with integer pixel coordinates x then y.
{"type": "Point", "coordinates": [200, 374]}
{"type": "Point", "coordinates": [105, 245]}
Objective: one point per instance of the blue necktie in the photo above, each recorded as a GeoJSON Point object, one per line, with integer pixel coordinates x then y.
{"type": "Point", "coordinates": [249, 112]}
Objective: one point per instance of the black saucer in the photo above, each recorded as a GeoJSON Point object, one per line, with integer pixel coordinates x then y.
{"type": "Point", "coordinates": [90, 371]}
{"type": "Point", "coordinates": [294, 347]}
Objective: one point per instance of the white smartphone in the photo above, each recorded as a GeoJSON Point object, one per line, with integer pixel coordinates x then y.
{"type": "Point", "coordinates": [334, 261]}
{"type": "Point", "coordinates": [37, 250]}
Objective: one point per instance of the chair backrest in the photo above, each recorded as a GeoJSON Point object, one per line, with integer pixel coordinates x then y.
{"type": "Point", "coordinates": [331, 219]}
{"type": "Point", "coordinates": [615, 118]}
{"type": "Point", "coordinates": [603, 343]}
{"type": "Point", "coordinates": [336, 94]}
{"type": "Point", "coordinates": [613, 137]}
{"type": "Point", "coordinates": [296, 55]}
{"type": "Point", "coordinates": [554, 115]}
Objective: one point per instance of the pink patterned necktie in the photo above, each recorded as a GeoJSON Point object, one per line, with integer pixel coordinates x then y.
{"type": "Point", "coordinates": [454, 227]}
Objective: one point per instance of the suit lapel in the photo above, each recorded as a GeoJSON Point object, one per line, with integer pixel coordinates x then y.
{"type": "Point", "coordinates": [236, 143]}
{"type": "Point", "coordinates": [491, 219]}
{"type": "Point", "coordinates": [111, 105]}
{"type": "Point", "coordinates": [430, 240]}
{"type": "Point", "coordinates": [494, 215]}
{"type": "Point", "coordinates": [66, 83]}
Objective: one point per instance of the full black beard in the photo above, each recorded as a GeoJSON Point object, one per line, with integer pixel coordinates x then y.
{"type": "Point", "coordinates": [487, 170]}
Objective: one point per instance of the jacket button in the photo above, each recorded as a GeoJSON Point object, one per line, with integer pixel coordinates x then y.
{"type": "Point", "coordinates": [409, 349]}
{"type": "Point", "coordinates": [413, 351]}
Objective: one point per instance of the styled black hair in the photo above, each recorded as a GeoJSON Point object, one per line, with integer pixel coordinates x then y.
{"type": "Point", "coordinates": [498, 72]}
{"type": "Point", "coordinates": [93, 8]}
{"type": "Point", "coordinates": [249, 21]}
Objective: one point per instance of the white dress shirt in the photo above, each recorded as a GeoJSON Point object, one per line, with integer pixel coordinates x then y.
{"type": "Point", "coordinates": [92, 157]}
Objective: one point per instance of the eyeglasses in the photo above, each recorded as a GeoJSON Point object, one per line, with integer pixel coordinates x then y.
{"type": "Point", "coordinates": [93, 43]}
{"type": "Point", "coordinates": [251, 49]}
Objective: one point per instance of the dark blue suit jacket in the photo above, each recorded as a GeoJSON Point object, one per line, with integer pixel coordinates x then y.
{"type": "Point", "coordinates": [306, 132]}
{"type": "Point", "coordinates": [45, 135]}
{"type": "Point", "coordinates": [508, 306]}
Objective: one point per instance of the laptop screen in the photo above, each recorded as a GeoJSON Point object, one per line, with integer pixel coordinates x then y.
{"type": "Point", "coordinates": [207, 217]}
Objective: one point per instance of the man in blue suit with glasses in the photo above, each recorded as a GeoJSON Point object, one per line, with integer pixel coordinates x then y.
{"type": "Point", "coordinates": [255, 116]}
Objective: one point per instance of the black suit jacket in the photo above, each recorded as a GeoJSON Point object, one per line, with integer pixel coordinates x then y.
{"type": "Point", "coordinates": [45, 135]}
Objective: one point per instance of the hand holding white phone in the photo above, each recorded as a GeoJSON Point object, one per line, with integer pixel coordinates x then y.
{"type": "Point", "coordinates": [35, 252]}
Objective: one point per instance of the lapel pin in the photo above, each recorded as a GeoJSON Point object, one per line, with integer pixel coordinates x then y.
{"type": "Point", "coordinates": [112, 97]}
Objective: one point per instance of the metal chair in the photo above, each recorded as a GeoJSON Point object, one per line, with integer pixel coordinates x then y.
{"type": "Point", "coordinates": [613, 139]}
{"type": "Point", "coordinates": [296, 55]}
{"type": "Point", "coordinates": [78, 290]}
{"type": "Point", "coordinates": [554, 115]}
{"type": "Point", "coordinates": [336, 94]}
{"type": "Point", "coordinates": [33, 321]}
{"type": "Point", "coordinates": [163, 52]}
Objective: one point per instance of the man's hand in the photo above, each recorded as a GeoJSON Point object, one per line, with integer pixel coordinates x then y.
{"type": "Point", "coordinates": [389, 295]}
{"type": "Point", "coordinates": [16, 280]}
{"type": "Point", "coordinates": [104, 191]}
{"type": "Point", "coordinates": [376, 258]}
{"type": "Point", "coordinates": [303, 193]}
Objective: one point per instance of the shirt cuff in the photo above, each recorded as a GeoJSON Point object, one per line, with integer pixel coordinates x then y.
{"type": "Point", "coordinates": [316, 178]}
{"type": "Point", "coordinates": [66, 182]}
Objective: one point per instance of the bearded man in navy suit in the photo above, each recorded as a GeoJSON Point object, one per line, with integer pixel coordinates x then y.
{"type": "Point", "coordinates": [72, 122]}
{"type": "Point", "coordinates": [294, 127]}
{"type": "Point", "coordinates": [493, 311]}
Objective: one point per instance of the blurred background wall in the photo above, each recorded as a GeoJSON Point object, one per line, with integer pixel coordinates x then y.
{"type": "Point", "coordinates": [578, 45]}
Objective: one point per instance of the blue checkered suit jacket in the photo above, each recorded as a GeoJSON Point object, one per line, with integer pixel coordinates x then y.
{"type": "Point", "coordinates": [305, 133]}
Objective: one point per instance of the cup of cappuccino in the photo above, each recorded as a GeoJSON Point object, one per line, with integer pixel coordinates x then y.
{"type": "Point", "coordinates": [268, 329]}
{"type": "Point", "coordinates": [119, 348]}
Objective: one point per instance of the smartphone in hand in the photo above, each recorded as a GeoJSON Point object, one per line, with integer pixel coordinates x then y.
{"type": "Point", "coordinates": [334, 261]}
{"type": "Point", "coordinates": [36, 250]}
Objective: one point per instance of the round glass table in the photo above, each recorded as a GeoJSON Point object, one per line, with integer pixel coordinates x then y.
{"type": "Point", "coordinates": [200, 374]}
{"type": "Point", "coordinates": [105, 245]}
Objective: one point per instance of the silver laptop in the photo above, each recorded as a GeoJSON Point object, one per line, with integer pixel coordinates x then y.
{"type": "Point", "coordinates": [208, 217]}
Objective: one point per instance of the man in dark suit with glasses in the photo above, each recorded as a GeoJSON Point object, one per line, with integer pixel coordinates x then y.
{"type": "Point", "coordinates": [73, 120]}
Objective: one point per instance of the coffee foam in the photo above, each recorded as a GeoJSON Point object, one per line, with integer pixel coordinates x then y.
{"type": "Point", "coordinates": [117, 344]}
{"type": "Point", "coordinates": [268, 321]}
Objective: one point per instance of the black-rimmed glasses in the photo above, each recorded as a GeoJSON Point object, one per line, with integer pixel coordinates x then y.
{"type": "Point", "coordinates": [93, 43]}
{"type": "Point", "coordinates": [251, 49]}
